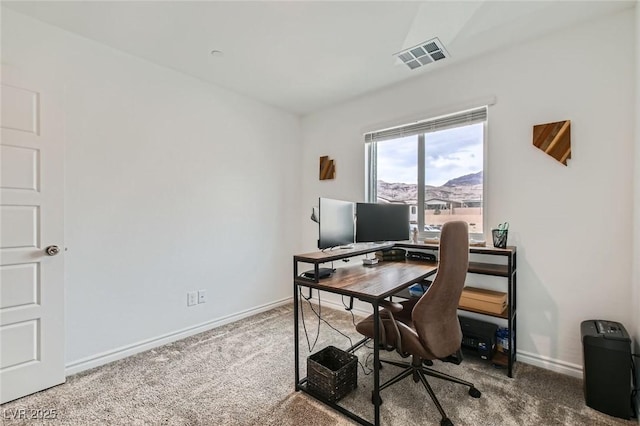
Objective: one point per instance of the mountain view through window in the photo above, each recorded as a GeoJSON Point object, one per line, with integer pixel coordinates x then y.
{"type": "Point", "coordinates": [453, 176]}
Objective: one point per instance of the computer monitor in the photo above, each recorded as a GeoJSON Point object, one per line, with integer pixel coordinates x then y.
{"type": "Point", "coordinates": [336, 223]}
{"type": "Point", "coordinates": [382, 222]}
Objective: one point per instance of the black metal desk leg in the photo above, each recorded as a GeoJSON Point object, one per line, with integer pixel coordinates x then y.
{"type": "Point", "coordinates": [295, 327]}
{"type": "Point", "coordinates": [376, 363]}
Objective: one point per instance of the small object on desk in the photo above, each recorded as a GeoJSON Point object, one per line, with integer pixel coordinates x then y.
{"type": "Point", "coordinates": [418, 289]}
{"type": "Point", "coordinates": [477, 243]}
{"type": "Point", "coordinates": [420, 255]}
{"type": "Point", "coordinates": [369, 262]}
{"type": "Point", "coordinates": [502, 340]}
{"type": "Point", "coordinates": [500, 235]}
{"type": "Point", "coordinates": [391, 254]}
{"type": "Point", "coordinates": [390, 258]}
{"type": "Point", "coordinates": [414, 236]}
{"type": "Point", "coordinates": [322, 273]}
{"type": "Point", "coordinates": [434, 240]}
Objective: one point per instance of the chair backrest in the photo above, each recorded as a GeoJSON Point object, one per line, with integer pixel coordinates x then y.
{"type": "Point", "coordinates": [435, 314]}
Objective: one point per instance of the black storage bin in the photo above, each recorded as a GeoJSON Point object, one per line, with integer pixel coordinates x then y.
{"type": "Point", "coordinates": [607, 367]}
{"type": "Point", "coordinates": [332, 373]}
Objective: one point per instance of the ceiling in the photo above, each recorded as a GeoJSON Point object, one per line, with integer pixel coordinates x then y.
{"type": "Point", "coordinates": [303, 56]}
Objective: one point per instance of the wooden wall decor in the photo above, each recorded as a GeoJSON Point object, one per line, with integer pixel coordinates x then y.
{"type": "Point", "coordinates": [327, 168]}
{"type": "Point", "coordinates": [554, 139]}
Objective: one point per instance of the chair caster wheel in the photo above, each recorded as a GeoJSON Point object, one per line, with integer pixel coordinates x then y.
{"type": "Point", "coordinates": [474, 393]}
{"type": "Point", "coordinates": [446, 422]}
{"type": "Point", "coordinates": [373, 399]}
{"type": "Point", "coordinates": [427, 362]}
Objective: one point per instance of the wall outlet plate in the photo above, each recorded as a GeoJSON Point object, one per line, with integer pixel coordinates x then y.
{"type": "Point", "coordinates": [192, 298]}
{"type": "Point", "coordinates": [202, 296]}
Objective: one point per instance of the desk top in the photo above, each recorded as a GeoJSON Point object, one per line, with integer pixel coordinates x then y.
{"type": "Point", "coordinates": [370, 283]}
{"type": "Point", "coordinates": [472, 249]}
{"type": "Point", "coordinates": [335, 254]}
{"type": "Point", "coordinates": [364, 248]}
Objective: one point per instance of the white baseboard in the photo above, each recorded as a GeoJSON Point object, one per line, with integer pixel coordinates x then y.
{"type": "Point", "coordinates": [144, 345]}
{"type": "Point", "coordinates": [547, 363]}
{"type": "Point", "coordinates": [97, 360]}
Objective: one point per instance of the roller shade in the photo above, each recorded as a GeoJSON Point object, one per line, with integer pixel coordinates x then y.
{"type": "Point", "coordinates": [464, 118]}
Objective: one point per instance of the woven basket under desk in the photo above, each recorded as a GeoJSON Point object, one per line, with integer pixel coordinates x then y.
{"type": "Point", "coordinates": [332, 373]}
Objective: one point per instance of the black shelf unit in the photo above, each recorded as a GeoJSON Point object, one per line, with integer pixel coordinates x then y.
{"type": "Point", "coordinates": [507, 271]}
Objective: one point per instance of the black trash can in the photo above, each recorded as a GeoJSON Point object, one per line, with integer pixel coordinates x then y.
{"type": "Point", "coordinates": [607, 367]}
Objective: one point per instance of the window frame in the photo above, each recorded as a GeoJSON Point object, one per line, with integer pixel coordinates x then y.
{"type": "Point", "coordinates": [371, 168]}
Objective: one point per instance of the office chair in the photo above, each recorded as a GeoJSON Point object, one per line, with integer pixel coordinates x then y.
{"type": "Point", "coordinates": [428, 329]}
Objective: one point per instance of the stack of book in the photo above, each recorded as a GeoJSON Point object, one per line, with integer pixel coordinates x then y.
{"type": "Point", "coordinates": [391, 254]}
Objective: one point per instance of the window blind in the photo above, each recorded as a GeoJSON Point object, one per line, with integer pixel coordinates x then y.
{"type": "Point", "coordinates": [472, 116]}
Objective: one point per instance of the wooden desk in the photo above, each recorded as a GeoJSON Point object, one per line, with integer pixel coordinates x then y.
{"type": "Point", "coordinates": [367, 283]}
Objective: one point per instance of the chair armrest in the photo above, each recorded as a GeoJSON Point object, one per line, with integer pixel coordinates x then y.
{"type": "Point", "coordinates": [399, 348]}
{"type": "Point", "coordinates": [391, 306]}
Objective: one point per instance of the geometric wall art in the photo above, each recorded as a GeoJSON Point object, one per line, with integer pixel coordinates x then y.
{"type": "Point", "coordinates": [327, 168]}
{"type": "Point", "coordinates": [554, 139]}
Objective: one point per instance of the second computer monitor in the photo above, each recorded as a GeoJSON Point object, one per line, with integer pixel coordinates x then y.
{"type": "Point", "coordinates": [336, 227]}
{"type": "Point", "coordinates": [382, 222]}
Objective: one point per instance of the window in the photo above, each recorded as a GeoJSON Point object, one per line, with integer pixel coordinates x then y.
{"type": "Point", "coordinates": [436, 166]}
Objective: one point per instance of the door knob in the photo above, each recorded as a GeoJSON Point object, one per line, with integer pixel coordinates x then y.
{"type": "Point", "coordinates": [52, 250]}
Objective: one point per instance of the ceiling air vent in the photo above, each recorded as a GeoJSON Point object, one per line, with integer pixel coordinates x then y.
{"type": "Point", "coordinates": [423, 54]}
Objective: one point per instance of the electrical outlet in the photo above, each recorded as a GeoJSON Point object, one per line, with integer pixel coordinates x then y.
{"type": "Point", "coordinates": [192, 298]}
{"type": "Point", "coordinates": [202, 296]}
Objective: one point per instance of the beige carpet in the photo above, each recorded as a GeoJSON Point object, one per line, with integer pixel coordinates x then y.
{"type": "Point", "coordinates": [242, 374]}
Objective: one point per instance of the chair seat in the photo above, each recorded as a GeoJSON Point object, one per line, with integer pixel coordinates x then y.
{"type": "Point", "coordinates": [410, 341]}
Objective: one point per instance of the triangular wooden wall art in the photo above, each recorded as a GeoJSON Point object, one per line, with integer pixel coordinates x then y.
{"type": "Point", "coordinates": [554, 139]}
{"type": "Point", "coordinates": [327, 168]}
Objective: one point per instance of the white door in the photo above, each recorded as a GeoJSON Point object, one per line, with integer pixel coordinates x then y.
{"type": "Point", "coordinates": [31, 219]}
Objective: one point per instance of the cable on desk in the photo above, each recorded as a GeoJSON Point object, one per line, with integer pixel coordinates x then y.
{"type": "Point", "coordinates": [365, 369]}
{"type": "Point", "coordinates": [347, 308]}
{"type": "Point", "coordinates": [318, 314]}
{"type": "Point", "coordinates": [304, 325]}
{"type": "Point", "coordinates": [324, 320]}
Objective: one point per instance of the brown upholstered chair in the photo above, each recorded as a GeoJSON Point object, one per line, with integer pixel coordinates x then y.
{"type": "Point", "coordinates": [429, 329]}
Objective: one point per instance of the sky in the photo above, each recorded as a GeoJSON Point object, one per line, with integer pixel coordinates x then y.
{"type": "Point", "coordinates": [450, 154]}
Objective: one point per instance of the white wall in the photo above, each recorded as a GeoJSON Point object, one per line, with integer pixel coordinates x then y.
{"type": "Point", "coordinates": [172, 185]}
{"type": "Point", "coordinates": [571, 224]}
